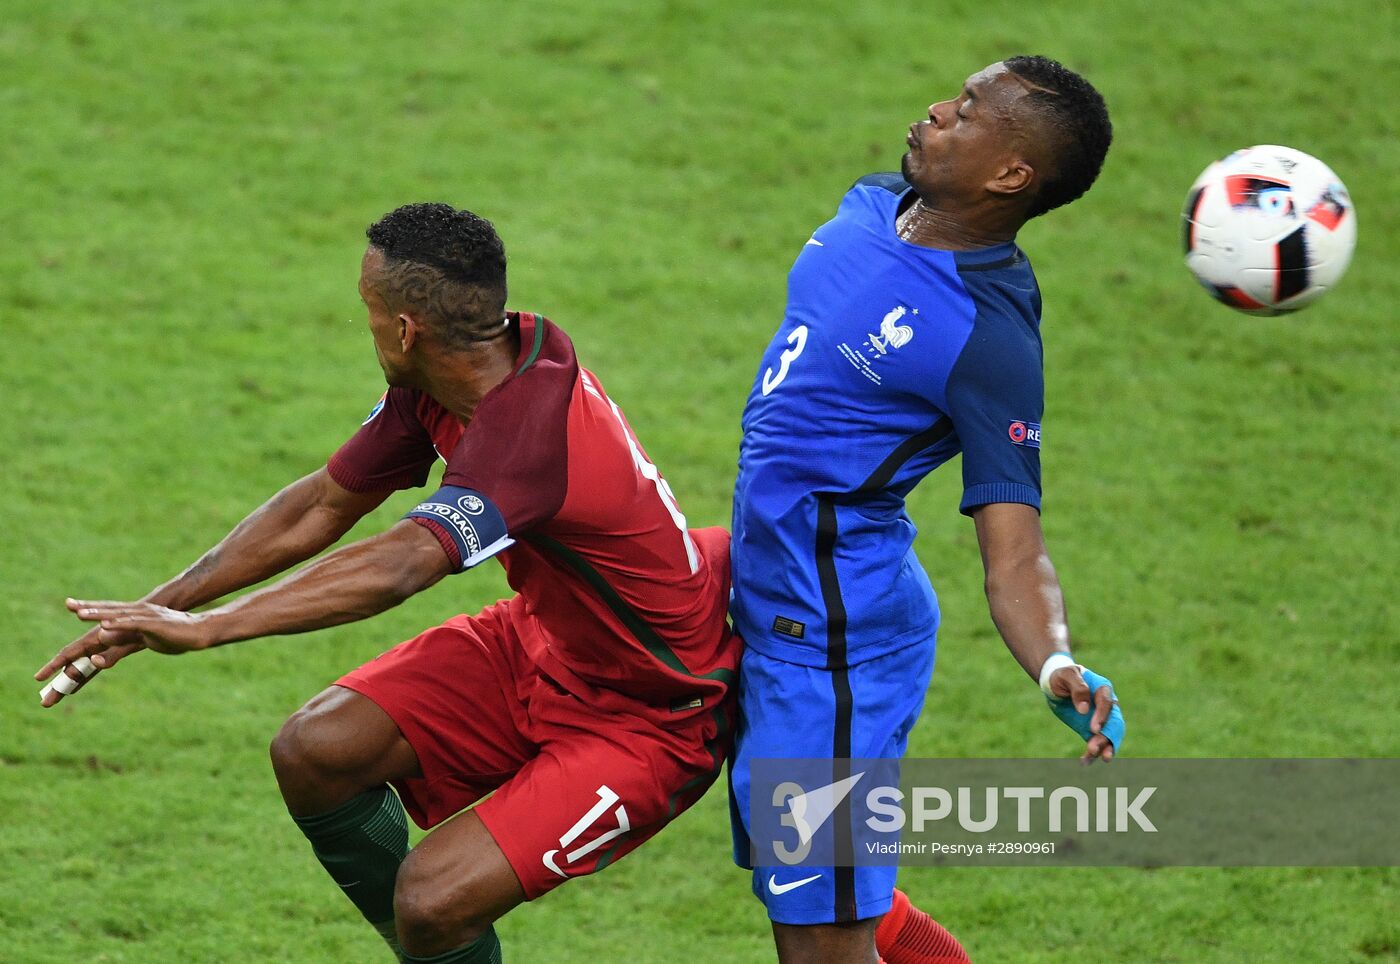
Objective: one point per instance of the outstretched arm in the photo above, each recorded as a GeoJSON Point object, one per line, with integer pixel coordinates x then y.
{"type": "Point", "coordinates": [291, 527]}
{"type": "Point", "coordinates": [1028, 609]}
{"type": "Point", "coordinates": [352, 583]}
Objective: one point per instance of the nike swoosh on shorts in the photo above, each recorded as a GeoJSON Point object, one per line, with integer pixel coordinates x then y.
{"type": "Point", "coordinates": [776, 888]}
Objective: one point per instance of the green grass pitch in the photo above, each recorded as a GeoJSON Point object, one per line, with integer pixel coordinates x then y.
{"type": "Point", "coordinates": [183, 190]}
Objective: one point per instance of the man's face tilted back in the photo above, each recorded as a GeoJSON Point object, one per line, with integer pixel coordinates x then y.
{"type": "Point", "coordinates": [969, 140]}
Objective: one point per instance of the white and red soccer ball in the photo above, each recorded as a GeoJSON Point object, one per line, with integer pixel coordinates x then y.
{"type": "Point", "coordinates": [1268, 229]}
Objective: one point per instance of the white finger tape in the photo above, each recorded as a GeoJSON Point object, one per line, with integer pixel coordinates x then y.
{"type": "Point", "coordinates": [65, 684]}
{"type": "Point", "coordinates": [1055, 662]}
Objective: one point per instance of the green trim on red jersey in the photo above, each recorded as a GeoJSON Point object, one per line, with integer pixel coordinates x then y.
{"type": "Point", "coordinates": [535, 348]}
{"type": "Point", "coordinates": [642, 632]}
{"type": "Point", "coordinates": [716, 746]}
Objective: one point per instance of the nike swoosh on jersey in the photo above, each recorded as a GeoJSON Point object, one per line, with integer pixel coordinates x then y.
{"type": "Point", "coordinates": [816, 242]}
{"type": "Point", "coordinates": [776, 888]}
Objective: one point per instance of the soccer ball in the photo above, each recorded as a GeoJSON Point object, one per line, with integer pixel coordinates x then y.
{"type": "Point", "coordinates": [1268, 229]}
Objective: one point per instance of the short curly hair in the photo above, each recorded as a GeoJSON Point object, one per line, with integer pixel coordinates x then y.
{"type": "Point", "coordinates": [1077, 116]}
{"type": "Point", "coordinates": [446, 264]}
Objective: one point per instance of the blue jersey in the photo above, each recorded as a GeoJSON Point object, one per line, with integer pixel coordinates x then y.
{"type": "Point", "coordinates": [891, 359]}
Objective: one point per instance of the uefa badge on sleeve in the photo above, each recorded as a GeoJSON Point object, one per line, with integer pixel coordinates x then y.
{"type": "Point", "coordinates": [378, 407]}
{"type": "Point", "coordinates": [1026, 434]}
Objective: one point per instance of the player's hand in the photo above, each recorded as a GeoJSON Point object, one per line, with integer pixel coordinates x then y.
{"type": "Point", "coordinates": [103, 655]}
{"type": "Point", "coordinates": [1088, 705]}
{"type": "Point", "coordinates": [162, 630]}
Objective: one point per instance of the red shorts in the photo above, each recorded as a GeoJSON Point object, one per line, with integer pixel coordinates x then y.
{"type": "Point", "coordinates": [578, 783]}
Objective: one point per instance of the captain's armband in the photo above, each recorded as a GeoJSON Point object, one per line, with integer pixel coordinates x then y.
{"type": "Point", "coordinates": [470, 529]}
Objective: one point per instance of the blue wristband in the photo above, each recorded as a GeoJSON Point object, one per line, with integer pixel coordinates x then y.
{"type": "Point", "coordinates": [1113, 727]}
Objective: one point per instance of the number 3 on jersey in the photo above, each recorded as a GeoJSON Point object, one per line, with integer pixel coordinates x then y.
{"type": "Point", "coordinates": [798, 341]}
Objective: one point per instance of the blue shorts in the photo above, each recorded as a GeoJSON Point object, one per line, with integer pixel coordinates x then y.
{"type": "Point", "coordinates": [792, 711]}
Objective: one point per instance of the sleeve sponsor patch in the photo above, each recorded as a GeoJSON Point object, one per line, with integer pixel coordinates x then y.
{"type": "Point", "coordinates": [468, 520]}
{"type": "Point", "coordinates": [1024, 433]}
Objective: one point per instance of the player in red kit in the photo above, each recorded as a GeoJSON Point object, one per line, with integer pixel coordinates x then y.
{"type": "Point", "coordinates": [593, 706]}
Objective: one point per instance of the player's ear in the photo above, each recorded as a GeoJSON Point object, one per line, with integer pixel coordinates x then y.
{"type": "Point", "coordinates": [1012, 177]}
{"type": "Point", "coordinates": [409, 330]}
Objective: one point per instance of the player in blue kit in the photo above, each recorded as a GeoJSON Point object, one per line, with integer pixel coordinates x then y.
{"type": "Point", "coordinates": [911, 335]}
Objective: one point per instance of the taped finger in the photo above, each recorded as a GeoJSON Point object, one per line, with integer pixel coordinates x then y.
{"type": "Point", "coordinates": [62, 684]}
{"type": "Point", "coordinates": [65, 683]}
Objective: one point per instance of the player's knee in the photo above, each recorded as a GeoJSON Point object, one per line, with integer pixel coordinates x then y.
{"type": "Point", "coordinates": [431, 915]}
{"type": "Point", "coordinates": [337, 745]}
{"type": "Point", "coordinates": [290, 752]}
{"type": "Point", "coordinates": [312, 746]}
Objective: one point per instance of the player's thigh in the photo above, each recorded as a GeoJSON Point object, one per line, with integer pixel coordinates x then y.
{"type": "Point", "coordinates": [597, 791]}
{"type": "Point", "coordinates": [789, 711]}
{"type": "Point", "coordinates": [456, 876]}
{"type": "Point", "coordinates": [852, 943]}
{"type": "Point", "coordinates": [453, 692]}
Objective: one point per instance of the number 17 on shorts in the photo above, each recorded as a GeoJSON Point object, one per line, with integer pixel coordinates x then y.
{"type": "Point", "coordinates": [616, 825]}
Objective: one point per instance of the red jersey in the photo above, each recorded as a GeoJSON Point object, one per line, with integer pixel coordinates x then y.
{"type": "Point", "coordinates": [615, 591]}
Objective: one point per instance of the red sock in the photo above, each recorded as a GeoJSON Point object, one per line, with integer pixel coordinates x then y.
{"type": "Point", "coordinates": [909, 936]}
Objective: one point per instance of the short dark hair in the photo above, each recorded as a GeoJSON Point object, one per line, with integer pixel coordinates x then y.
{"type": "Point", "coordinates": [1074, 111]}
{"type": "Point", "coordinates": [449, 265]}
